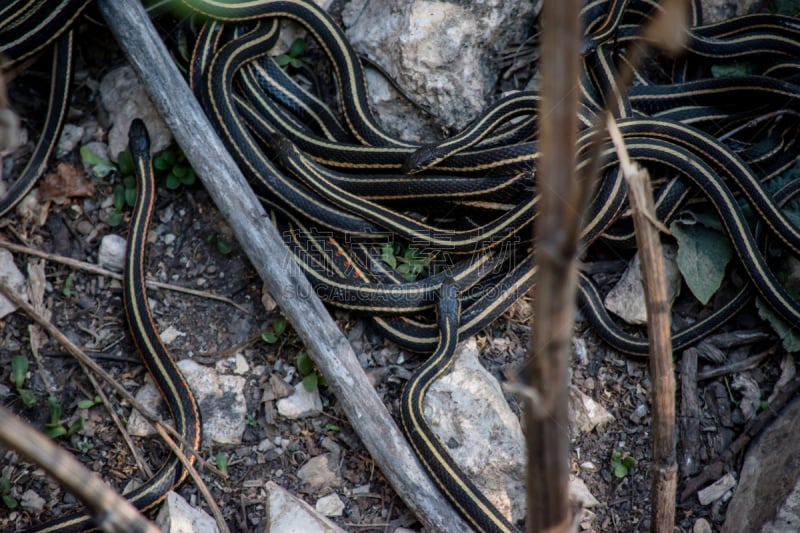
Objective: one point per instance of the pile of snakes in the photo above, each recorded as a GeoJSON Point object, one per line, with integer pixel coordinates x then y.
{"type": "Point", "coordinates": [340, 187]}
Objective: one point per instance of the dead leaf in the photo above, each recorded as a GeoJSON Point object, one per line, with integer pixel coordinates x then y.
{"type": "Point", "coordinates": [751, 394]}
{"type": "Point", "coordinates": [68, 181]}
{"type": "Point", "coordinates": [32, 213]}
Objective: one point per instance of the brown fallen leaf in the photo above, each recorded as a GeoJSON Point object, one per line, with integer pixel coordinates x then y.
{"type": "Point", "coordinates": [68, 181]}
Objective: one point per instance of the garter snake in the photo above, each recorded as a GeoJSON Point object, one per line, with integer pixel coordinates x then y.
{"type": "Point", "coordinates": [166, 374]}
{"type": "Point", "coordinates": [318, 180]}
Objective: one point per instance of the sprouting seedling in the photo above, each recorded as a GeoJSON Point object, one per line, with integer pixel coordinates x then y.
{"type": "Point", "coordinates": [5, 493]}
{"type": "Point", "coordinates": [19, 371]}
{"type": "Point", "coordinates": [408, 261]}
{"type": "Point", "coordinates": [294, 56]}
{"type": "Point", "coordinates": [311, 377]}
{"type": "Point", "coordinates": [55, 428]}
{"type": "Point", "coordinates": [170, 166]}
{"type": "Point", "coordinates": [278, 329]}
{"type": "Point", "coordinates": [621, 465]}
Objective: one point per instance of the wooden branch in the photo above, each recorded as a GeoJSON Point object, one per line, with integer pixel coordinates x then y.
{"type": "Point", "coordinates": [112, 512]}
{"type": "Point", "coordinates": [662, 373]}
{"type": "Point", "coordinates": [563, 199]}
{"type": "Point", "coordinates": [273, 261]}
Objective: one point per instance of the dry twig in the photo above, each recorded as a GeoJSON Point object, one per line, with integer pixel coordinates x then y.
{"type": "Point", "coordinates": [563, 199]}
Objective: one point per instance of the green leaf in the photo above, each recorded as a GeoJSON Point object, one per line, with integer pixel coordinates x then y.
{"type": "Point", "coordinates": [130, 197]}
{"type": "Point", "coordinates": [119, 197]}
{"type": "Point", "coordinates": [387, 254]}
{"type": "Point", "coordinates": [311, 382]}
{"type": "Point", "coordinates": [100, 165]}
{"type": "Point", "coordinates": [129, 182]}
{"type": "Point", "coordinates": [19, 369]}
{"type": "Point", "coordinates": [222, 245]}
{"type": "Point", "coordinates": [703, 255]}
{"type": "Point", "coordinates": [298, 47]}
{"type": "Point", "coordinates": [172, 181]}
{"type": "Point", "coordinates": [27, 397]}
{"type": "Point", "coordinates": [620, 471]}
{"type": "Point", "coordinates": [333, 427]}
{"type": "Point", "coordinates": [250, 421]}
{"type": "Point", "coordinates": [67, 289]}
{"type": "Point", "coordinates": [279, 326]}
{"type": "Point", "coordinates": [180, 170]}
{"type": "Point", "coordinates": [55, 431]}
{"type": "Point", "coordinates": [222, 462]}
{"type": "Point", "coordinates": [296, 63]}
{"type": "Point", "coordinates": [5, 484]}
{"type": "Point", "coordinates": [304, 364]}
{"type": "Point", "coordinates": [189, 179]}
{"type": "Point", "coordinates": [86, 404]}
{"type": "Point", "coordinates": [283, 60]}
{"type": "Point", "coordinates": [77, 426]}
{"type": "Point", "coordinates": [115, 219]}
{"type": "Point", "coordinates": [165, 159]}
{"type": "Point", "coordinates": [732, 69]}
{"type": "Point", "coordinates": [125, 162]}
{"type": "Point", "coordinates": [269, 337]}
{"type": "Point", "coordinates": [790, 336]}
{"type": "Point", "coordinates": [55, 410]}
{"type": "Point", "coordinates": [9, 501]}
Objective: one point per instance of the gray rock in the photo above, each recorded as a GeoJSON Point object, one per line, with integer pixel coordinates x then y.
{"type": "Point", "coordinates": [124, 98]}
{"type": "Point", "coordinates": [177, 516]}
{"type": "Point", "coordinates": [300, 404]}
{"type": "Point", "coordinates": [767, 498]}
{"type": "Point", "coordinates": [585, 414]}
{"type": "Point", "coordinates": [71, 135]}
{"type": "Point", "coordinates": [320, 473]}
{"type": "Point", "coordinates": [220, 397]}
{"type": "Point", "coordinates": [14, 278]}
{"type": "Point", "coordinates": [701, 526]}
{"type": "Point", "coordinates": [111, 254]}
{"type": "Point", "coordinates": [288, 513]}
{"type": "Point", "coordinates": [222, 402]}
{"type": "Point", "coordinates": [467, 411]}
{"type": "Point", "coordinates": [716, 490]}
{"type": "Point", "coordinates": [440, 53]}
{"type": "Point", "coordinates": [626, 299]}
{"type": "Point", "coordinates": [32, 502]}
{"type": "Point", "coordinates": [330, 505]}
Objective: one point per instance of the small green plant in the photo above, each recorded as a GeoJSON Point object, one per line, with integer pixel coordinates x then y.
{"type": "Point", "coordinates": [89, 403]}
{"type": "Point", "coordinates": [408, 261]}
{"type": "Point", "coordinates": [278, 329]}
{"type": "Point", "coordinates": [99, 165]}
{"type": "Point", "coordinates": [311, 378]}
{"type": "Point", "coordinates": [294, 56]}
{"type": "Point", "coordinates": [5, 493]}
{"type": "Point", "coordinates": [222, 245]}
{"type": "Point", "coordinates": [124, 192]}
{"type": "Point", "coordinates": [170, 166]}
{"type": "Point", "coordinates": [250, 421]}
{"type": "Point", "coordinates": [19, 370]}
{"type": "Point", "coordinates": [336, 428]}
{"type": "Point", "coordinates": [222, 462]}
{"type": "Point", "coordinates": [67, 289]}
{"type": "Point", "coordinates": [54, 428]}
{"type": "Point", "coordinates": [621, 465]}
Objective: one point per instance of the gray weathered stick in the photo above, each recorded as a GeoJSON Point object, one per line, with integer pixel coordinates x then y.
{"type": "Point", "coordinates": [264, 246]}
{"type": "Point", "coordinates": [113, 512]}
